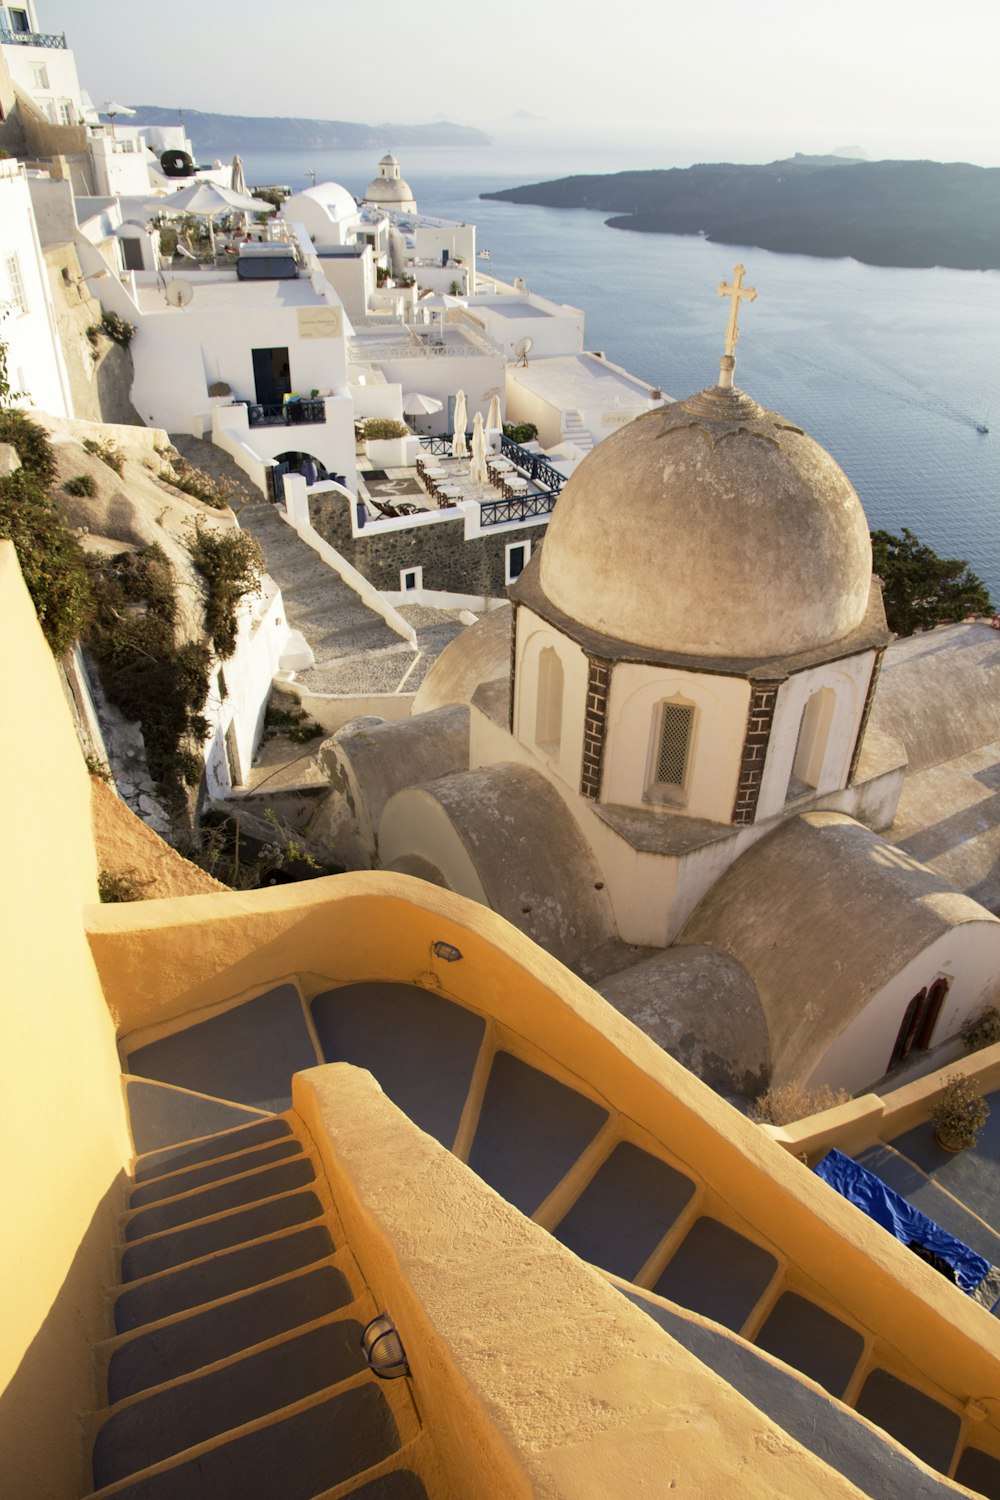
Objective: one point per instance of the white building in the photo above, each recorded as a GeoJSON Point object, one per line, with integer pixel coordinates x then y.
{"type": "Point", "coordinates": [35, 363]}
{"type": "Point", "coordinates": [389, 189]}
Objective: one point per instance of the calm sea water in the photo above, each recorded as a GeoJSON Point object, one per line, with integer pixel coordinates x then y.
{"type": "Point", "coordinates": [891, 370]}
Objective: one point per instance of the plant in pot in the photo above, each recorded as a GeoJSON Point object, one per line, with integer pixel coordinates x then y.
{"type": "Point", "coordinates": [959, 1114]}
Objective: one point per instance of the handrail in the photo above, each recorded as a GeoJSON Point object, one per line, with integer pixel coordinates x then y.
{"type": "Point", "coordinates": [286, 413]}
{"type": "Point", "coordinates": [31, 38]}
{"type": "Point", "coordinates": [517, 508]}
{"type": "Point", "coordinates": [536, 465]}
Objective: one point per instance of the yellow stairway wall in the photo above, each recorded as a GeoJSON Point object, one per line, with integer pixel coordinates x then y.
{"type": "Point", "coordinates": [65, 1139]}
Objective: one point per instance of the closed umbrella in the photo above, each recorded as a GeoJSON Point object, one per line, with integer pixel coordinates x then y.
{"type": "Point", "coordinates": [494, 420]}
{"type": "Point", "coordinates": [477, 469]}
{"type": "Point", "coordinates": [459, 447]}
{"type": "Point", "coordinates": [238, 178]}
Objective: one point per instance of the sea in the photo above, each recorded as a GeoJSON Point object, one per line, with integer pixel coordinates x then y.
{"type": "Point", "coordinates": [893, 371]}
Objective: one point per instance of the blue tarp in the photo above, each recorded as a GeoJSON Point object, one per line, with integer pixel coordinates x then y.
{"type": "Point", "coordinates": [894, 1213]}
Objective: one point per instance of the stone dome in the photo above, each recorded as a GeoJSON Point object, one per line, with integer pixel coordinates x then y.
{"type": "Point", "coordinates": [710, 527]}
{"type": "Point", "coordinates": [389, 188]}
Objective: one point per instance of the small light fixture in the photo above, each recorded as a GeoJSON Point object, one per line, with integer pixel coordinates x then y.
{"type": "Point", "coordinates": [447, 951]}
{"type": "Point", "coordinates": [383, 1349]}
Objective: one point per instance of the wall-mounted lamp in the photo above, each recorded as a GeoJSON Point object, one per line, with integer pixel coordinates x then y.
{"type": "Point", "coordinates": [447, 951]}
{"type": "Point", "coordinates": [383, 1349]}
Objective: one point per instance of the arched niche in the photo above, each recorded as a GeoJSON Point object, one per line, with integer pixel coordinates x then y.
{"type": "Point", "coordinates": [674, 739]}
{"type": "Point", "coordinates": [550, 696]}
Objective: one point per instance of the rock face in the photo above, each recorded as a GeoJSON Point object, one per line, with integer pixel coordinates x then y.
{"type": "Point", "coordinates": [884, 213]}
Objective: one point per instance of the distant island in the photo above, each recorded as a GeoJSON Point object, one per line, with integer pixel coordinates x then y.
{"type": "Point", "coordinates": [228, 133]}
{"type": "Point", "coordinates": [884, 213]}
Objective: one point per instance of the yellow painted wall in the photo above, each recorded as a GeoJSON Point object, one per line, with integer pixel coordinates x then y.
{"type": "Point", "coordinates": [533, 1375]}
{"type": "Point", "coordinates": [64, 1133]}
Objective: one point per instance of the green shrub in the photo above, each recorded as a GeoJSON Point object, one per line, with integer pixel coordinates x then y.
{"type": "Point", "coordinates": [520, 432]}
{"type": "Point", "coordinates": [108, 452]}
{"type": "Point", "coordinates": [119, 887]}
{"type": "Point", "coordinates": [294, 723]}
{"type": "Point", "coordinates": [52, 561]}
{"type": "Point", "coordinates": [145, 674]}
{"type": "Point", "coordinates": [30, 442]}
{"type": "Point", "coordinates": [83, 484]}
{"type": "Point", "coordinates": [982, 1030]}
{"type": "Point", "coordinates": [378, 428]}
{"type": "Point", "coordinates": [232, 565]}
{"type": "Point", "coordinates": [117, 328]}
{"type": "Point", "coordinates": [218, 493]}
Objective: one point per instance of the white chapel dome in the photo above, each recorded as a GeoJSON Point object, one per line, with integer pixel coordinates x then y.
{"type": "Point", "coordinates": [389, 189]}
{"type": "Point", "coordinates": [710, 527]}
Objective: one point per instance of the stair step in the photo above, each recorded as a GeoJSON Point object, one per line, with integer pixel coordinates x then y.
{"type": "Point", "coordinates": [188, 1178]}
{"type": "Point", "coordinates": [218, 1332]}
{"type": "Point", "coordinates": [296, 1458]}
{"type": "Point", "coordinates": [244, 1055]}
{"type": "Point", "coordinates": [221, 1276]}
{"type": "Point", "coordinates": [192, 1412]}
{"type": "Point", "coordinates": [217, 1198]}
{"type": "Point", "coordinates": [226, 1143]}
{"type": "Point", "coordinates": [401, 1484]}
{"type": "Point", "coordinates": [163, 1117]}
{"type": "Point", "coordinates": [146, 1257]}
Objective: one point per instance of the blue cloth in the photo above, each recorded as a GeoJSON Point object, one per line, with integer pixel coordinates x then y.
{"type": "Point", "coordinates": [893, 1212]}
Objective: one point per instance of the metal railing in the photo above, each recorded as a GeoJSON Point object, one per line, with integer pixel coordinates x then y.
{"type": "Point", "coordinates": [31, 38]}
{"type": "Point", "coordinates": [535, 465]}
{"type": "Point", "coordinates": [436, 444]}
{"type": "Point", "coordinates": [517, 508]}
{"type": "Point", "coordinates": [285, 413]}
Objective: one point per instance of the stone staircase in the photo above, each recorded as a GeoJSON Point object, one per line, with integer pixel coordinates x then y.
{"type": "Point", "coordinates": [236, 1368]}
{"type": "Point", "coordinates": [553, 1152]}
{"type": "Point", "coordinates": [573, 431]}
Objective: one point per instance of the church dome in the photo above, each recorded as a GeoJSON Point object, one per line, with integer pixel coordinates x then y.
{"type": "Point", "coordinates": [389, 189]}
{"type": "Point", "coordinates": [710, 527]}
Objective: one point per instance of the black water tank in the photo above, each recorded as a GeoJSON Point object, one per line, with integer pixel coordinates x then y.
{"type": "Point", "coordinates": [177, 164]}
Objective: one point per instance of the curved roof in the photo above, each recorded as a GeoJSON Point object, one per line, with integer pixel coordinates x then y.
{"type": "Point", "coordinates": [479, 654]}
{"type": "Point", "coordinates": [701, 1007]}
{"type": "Point", "coordinates": [535, 868]}
{"type": "Point", "coordinates": [822, 914]}
{"type": "Point", "coordinates": [713, 527]}
{"type": "Point", "coordinates": [337, 201]}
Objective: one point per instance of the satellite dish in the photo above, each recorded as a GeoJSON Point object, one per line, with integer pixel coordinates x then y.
{"type": "Point", "coordinates": [178, 293]}
{"type": "Point", "coordinates": [522, 349]}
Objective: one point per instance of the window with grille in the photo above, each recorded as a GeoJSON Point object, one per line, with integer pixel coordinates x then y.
{"type": "Point", "coordinates": [676, 723]}
{"type": "Point", "coordinates": [18, 296]}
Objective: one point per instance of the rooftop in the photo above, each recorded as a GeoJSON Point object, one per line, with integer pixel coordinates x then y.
{"type": "Point", "coordinates": [583, 380]}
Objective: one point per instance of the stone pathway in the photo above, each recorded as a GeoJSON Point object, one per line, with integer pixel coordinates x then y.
{"type": "Point", "coordinates": [356, 651]}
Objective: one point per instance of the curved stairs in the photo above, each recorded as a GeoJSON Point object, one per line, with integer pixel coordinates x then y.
{"type": "Point", "coordinates": [236, 1370]}
{"type": "Point", "coordinates": [644, 1218]}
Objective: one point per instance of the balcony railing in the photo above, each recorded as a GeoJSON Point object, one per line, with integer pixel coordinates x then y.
{"type": "Point", "coordinates": [31, 38]}
{"type": "Point", "coordinates": [517, 508]}
{"type": "Point", "coordinates": [535, 465]}
{"type": "Point", "coordinates": [285, 413]}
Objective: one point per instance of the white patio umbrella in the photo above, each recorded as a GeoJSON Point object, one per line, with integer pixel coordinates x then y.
{"type": "Point", "coordinates": [206, 201]}
{"type": "Point", "coordinates": [459, 447]}
{"type": "Point", "coordinates": [415, 404]}
{"type": "Point", "coordinates": [477, 469]}
{"type": "Point", "coordinates": [493, 419]}
{"type": "Point", "coordinates": [111, 109]}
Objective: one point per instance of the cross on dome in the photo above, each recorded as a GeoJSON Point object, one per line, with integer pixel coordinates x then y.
{"type": "Point", "coordinates": [736, 293]}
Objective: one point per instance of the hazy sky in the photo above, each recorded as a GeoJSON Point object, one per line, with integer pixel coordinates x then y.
{"type": "Point", "coordinates": [897, 77]}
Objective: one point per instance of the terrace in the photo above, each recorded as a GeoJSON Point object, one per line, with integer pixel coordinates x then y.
{"type": "Point", "coordinates": [521, 486]}
{"type": "Point", "coordinates": [32, 38]}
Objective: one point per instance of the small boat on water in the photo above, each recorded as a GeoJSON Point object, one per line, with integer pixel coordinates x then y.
{"type": "Point", "coordinates": [982, 427]}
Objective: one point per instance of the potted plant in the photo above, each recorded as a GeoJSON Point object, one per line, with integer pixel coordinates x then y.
{"type": "Point", "coordinates": [387, 443]}
{"type": "Point", "coordinates": [959, 1114]}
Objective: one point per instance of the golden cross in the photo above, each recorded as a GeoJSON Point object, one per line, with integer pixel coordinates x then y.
{"type": "Point", "coordinates": [737, 292]}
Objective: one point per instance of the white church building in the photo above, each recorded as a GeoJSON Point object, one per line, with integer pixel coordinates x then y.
{"type": "Point", "coordinates": [655, 763]}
